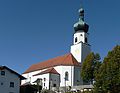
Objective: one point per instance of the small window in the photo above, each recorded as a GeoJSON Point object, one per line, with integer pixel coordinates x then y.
{"type": "Point", "coordinates": [86, 40]}
{"type": "Point", "coordinates": [81, 35]}
{"type": "Point", "coordinates": [12, 84]}
{"type": "Point", "coordinates": [44, 84]}
{"type": "Point", "coordinates": [54, 85]}
{"type": "Point", "coordinates": [44, 79]}
{"type": "Point", "coordinates": [66, 76]}
{"type": "Point", "coordinates": [75, 39]}
{"type": "Point", "coordinates": [3, 73]}
{"type": "Point", "coordinates": [1, 83]}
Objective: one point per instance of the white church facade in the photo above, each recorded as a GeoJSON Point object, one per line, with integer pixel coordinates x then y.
{"type": "Point", "coordinates": [63, 70]}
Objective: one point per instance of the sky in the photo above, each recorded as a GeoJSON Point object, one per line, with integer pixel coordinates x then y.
{"type": "Point", "coordinates": [32, 31]}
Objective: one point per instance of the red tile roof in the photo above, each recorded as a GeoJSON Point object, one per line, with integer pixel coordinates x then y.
{"type": "Point", "coordinates": [65, 60]}
{"type": "Point", "coordinates": [51, 70]}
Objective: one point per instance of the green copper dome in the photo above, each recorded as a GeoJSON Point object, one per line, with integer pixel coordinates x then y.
{"type": "Point", "coordinates": [81, 25]}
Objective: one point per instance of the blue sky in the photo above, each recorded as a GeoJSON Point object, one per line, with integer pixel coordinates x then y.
{"type": "Point", "coordinates": [32, 31]}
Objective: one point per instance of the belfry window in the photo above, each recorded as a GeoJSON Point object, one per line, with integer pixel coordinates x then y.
{"type": "Point", "coordinates": [75, 39]}
{"type": "Point", "coordinates": [66, 76]}
{"type": "Point", "coordinates": [86, 40]}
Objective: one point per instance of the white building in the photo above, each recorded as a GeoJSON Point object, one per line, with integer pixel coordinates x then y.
{"type": "Point", "coordinates": [9, 80]}
{"type": "Point", "coordinates": [63, 70]}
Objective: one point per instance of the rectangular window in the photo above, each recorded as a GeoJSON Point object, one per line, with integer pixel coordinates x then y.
{"type": "Point", "coordinates": [12, 84]}
{"type": "Point", "coordinates": [1, 83]}
{"type": "Point", "coordinates": [3, 73]}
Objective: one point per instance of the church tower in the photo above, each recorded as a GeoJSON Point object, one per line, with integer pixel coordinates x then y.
{"type": "Point", "coordinates": [80, 48]}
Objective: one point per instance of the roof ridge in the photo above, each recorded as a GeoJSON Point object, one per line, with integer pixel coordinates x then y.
{"type": "Point", "coordinates": [51, 59]}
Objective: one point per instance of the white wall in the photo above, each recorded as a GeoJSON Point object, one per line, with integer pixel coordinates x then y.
{"type": "Point", "coordinates": [74, 75]}
{"type": "Point", "coordinates": [76, 51]}
{"type": "Point", "coordinates": [80, 37]}
{"type": "Point", "coordinates": [9, 77]}
{"type": "Point", "coordinates": [46, 76]}
{"type": "Point", "coordinates": [50, 80]}
{"type": "Point", "coordinates": [61, 70]}
{"type": "Point", "coordinates": [80, 51]}
{"type": "Point", "coordinates": [31, 78]}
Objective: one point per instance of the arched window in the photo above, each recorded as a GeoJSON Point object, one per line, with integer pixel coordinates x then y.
{"type": "Point", "coordinates": [75, 39]}
{"type": "Point", "coordinates": [66, 75]}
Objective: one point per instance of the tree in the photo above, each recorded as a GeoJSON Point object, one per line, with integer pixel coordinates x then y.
{"type": "Point", "coordinates": [96, 65]}
{"type": "Point", "coordinates": [90, 67]}
{"type": "Point", "coordinates": [108, 77]}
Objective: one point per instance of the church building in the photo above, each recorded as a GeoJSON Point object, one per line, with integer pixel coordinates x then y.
{"type": "Point", "coordinates": [63, 70]}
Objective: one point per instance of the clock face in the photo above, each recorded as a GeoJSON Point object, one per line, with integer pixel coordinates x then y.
{"type": "Point", "coordinates": [77, 51]}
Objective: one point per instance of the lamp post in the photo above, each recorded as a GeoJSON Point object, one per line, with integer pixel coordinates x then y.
{"type": "Point", "coordinates": [65, 84]}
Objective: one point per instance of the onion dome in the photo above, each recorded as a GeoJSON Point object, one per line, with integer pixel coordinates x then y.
{"type": "Point", "coordinates": [81, 26]}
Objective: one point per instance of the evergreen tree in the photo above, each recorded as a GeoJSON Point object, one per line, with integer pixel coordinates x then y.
{"type": "Point", "coordinates": [108, 77]}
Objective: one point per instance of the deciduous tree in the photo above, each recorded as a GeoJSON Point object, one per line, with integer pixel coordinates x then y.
{"type": "Point", "coordinates": [108, 77]}
{"type": "Point", "coordinates": [90, 67]}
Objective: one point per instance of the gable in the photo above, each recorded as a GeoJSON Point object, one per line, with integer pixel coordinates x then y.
{"type": "Point", "coordinates": [10, 71]}
{"type": "Point", "coordinates": [51, 70]}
